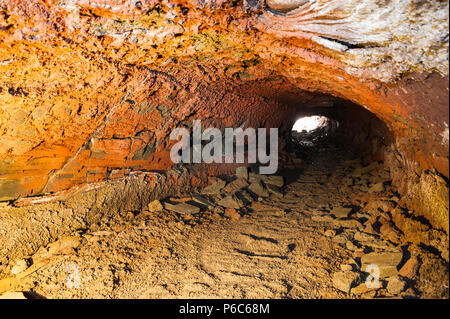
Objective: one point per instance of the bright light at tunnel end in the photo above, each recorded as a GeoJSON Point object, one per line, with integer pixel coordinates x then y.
{"type": "Point", "coordinates": [310, 123]}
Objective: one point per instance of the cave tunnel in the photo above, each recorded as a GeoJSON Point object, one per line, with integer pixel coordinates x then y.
{"type": "Point", "coordinates": [97, 201]}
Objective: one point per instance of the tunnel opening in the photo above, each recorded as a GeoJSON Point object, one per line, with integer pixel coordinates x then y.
{"type": "Point", "coordinates": [342, 143]}
{"type": "Point", "coordinates": [342, 128]}
{"type": "Point", "coordinates": [311, 130]}
{"type": "Point", "coordinates": [310, 123]}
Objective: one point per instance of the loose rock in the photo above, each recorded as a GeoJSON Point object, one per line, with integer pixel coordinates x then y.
{"type": "Point", "coordinates": [235, 186]}
{"type": "Point", "coordinates": [182, 208]}
{"type": "Point", "coordinates": [155, 206]}
{"type": "Point", "coordinates": [232, 214]}
{"type": "Point", "coordinates": [362, 289]}
{"type": "Point", "coordinates": [388, 231]}
{"type": "Point", "coordinates": [252, 177]}
{"type": "Point", "coordinates": [202, 201]}
{"type": "Point", "coordinates": [242, 173]}
{"type": "Point", "coordinates": [214, 188]}
{"type": "Point", "coordinates": [341, 212]}
{"type": "Point", "coordinates": [376, 188]}
{"type": "Point", "coordinates": [373, 241]}
{"type": "Point", "coordinates": [340, 239]}
{"type": "Point", "coordinates": [345, 280]}
{"type": "Point", "coordinates": [231, 201]}
{"type": "Point", "coordinates": [258, 189]}
{"type": "Point", "coordinates": [346, 267]}
{"type": "Point", "coordinates": [322, 218]}
{"type": "Point", "coordinates": [395, 285]}
{"type": "Point", "coordinates": [20, 266]}
{"type": "Point", "coordinates": [410, 268]}
{"type": "Point", "coordinates": [386, 262]}
{"type": "Point", "coordinates": [350, 223]}
{"type": "Point", "coordinates": [274, 190]}
{"type": "Point", "coordinates": [245, 197]}
{"type": "Point", "coordinates": [364, 170]}
{"type": "Point", "coordinates": [274, 180]}
{"type": "Point", "coordinates": [444, 255]}
{"type": "Point", "coordinates": [351, 246]}
{"type": "Point", "coordinates": [64, 245]}
{"type": "Point", "coordinates": [330, 233]}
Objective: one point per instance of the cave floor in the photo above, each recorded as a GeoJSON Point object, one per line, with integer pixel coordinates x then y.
{"type": "Point", "coordinates": [276, 247]}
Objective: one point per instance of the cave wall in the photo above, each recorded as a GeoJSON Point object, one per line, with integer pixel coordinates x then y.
{"type": "Point", "coordinates": [90, 90]}
{"type": "Point", "coordinates": [361, 133]}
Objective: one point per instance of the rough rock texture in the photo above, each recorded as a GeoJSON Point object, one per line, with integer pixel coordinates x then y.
{"type": "Point", "coordinates": [90, 90]}
{"type": "Point", "coordinates": [379, 39]}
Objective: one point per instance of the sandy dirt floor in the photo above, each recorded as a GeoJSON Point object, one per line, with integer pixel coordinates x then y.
{"type": "Point", "coordinates": [311, 238]}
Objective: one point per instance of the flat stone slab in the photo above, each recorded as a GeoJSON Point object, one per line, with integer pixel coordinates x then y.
{"type": "Point", "coordinates": [235, 186]}
{"type": "Point", "coordinates": [274, 190]}
{"type": "Point", "coordinates": [274, 180]}
{"type": "Point", "coordinates": [386, 262]}
{"type": "Point", "coordinates": [373, 241]}
{"type": "Point", "coordinates": [214, 188]}
{"type": "Point", "coordinates": [182, 208]}
{"type": "Point", "coordinates": [322, 218]}
{"type": "Point", "coordinates": [376, 188]}
{"type": "Point", "coordinates": [347, 223]}
{"type": "Point", "coordinates": [345, 280]}
{"type": "Point", "coordinates": [258, 189]}
{"type": "Point", "coordinates": [231, 201]}
{"type": "Point", "coordinates": [245, 197]}
{"type": "Point", "coordinates": [341, 212]}
{"type": "Point", "coordinates": [203, 201]}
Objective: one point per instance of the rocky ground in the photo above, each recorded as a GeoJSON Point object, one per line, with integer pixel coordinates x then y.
{"type": "Point", "coordinates": [333, 228]}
